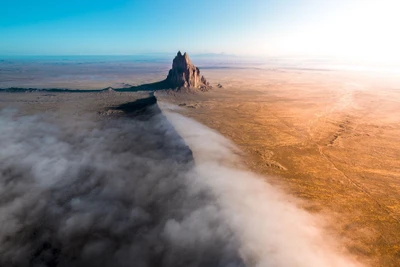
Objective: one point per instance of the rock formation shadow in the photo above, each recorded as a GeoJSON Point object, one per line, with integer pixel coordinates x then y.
{"type": "Point", "coordinates": [143, 108]}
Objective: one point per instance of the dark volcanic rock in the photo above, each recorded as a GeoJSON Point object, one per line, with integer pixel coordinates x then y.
{"type": "Point", "coordinates": [185, 74]}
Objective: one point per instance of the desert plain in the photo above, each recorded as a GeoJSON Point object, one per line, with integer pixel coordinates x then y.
{"type": "Point", "coordinates": [330, 138]}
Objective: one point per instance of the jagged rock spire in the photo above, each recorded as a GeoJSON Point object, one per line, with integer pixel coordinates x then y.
{"type": "Point", "coordinates": [185, 74]}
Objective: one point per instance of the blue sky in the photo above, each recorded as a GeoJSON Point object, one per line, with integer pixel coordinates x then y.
{"type": "Point", "coordinates": [126, 27]}
{"type": "Point", "coordinates": [243, 27]}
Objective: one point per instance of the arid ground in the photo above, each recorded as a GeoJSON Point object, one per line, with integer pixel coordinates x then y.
{"type": "Point", "coordinates": [330, 138]}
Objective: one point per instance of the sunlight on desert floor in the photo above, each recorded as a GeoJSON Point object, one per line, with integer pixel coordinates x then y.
{"type": "Point", "coordinates": [330, 138]}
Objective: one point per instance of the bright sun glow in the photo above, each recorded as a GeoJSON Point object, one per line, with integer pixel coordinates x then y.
{"type": "Point", "coordinates": [364, 31]}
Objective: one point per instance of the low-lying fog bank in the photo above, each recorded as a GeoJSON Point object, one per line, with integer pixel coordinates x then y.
{"type": "Point", "coordinates": [127, 192]}
{"type": "Point", "coordinates": [80, 193]}
{"type": "Point", "coordinates": [271, 229]}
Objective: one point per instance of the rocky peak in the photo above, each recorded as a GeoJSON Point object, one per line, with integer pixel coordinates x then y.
{"type": "Point", "coordinates": [185, 74]}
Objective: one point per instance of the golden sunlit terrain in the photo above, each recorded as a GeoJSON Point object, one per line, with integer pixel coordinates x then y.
{"type": "Point", "coordinates": [227, 133]}
{"type": "Point", "coordinates": [330, 138]}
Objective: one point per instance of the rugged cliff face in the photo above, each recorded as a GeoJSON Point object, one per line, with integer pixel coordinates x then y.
{"type": "Point", "coordinates": [185, 74]}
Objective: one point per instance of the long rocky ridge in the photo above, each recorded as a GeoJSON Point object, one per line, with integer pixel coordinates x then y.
{"type": "Point", "coordinates": [183, 75]}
